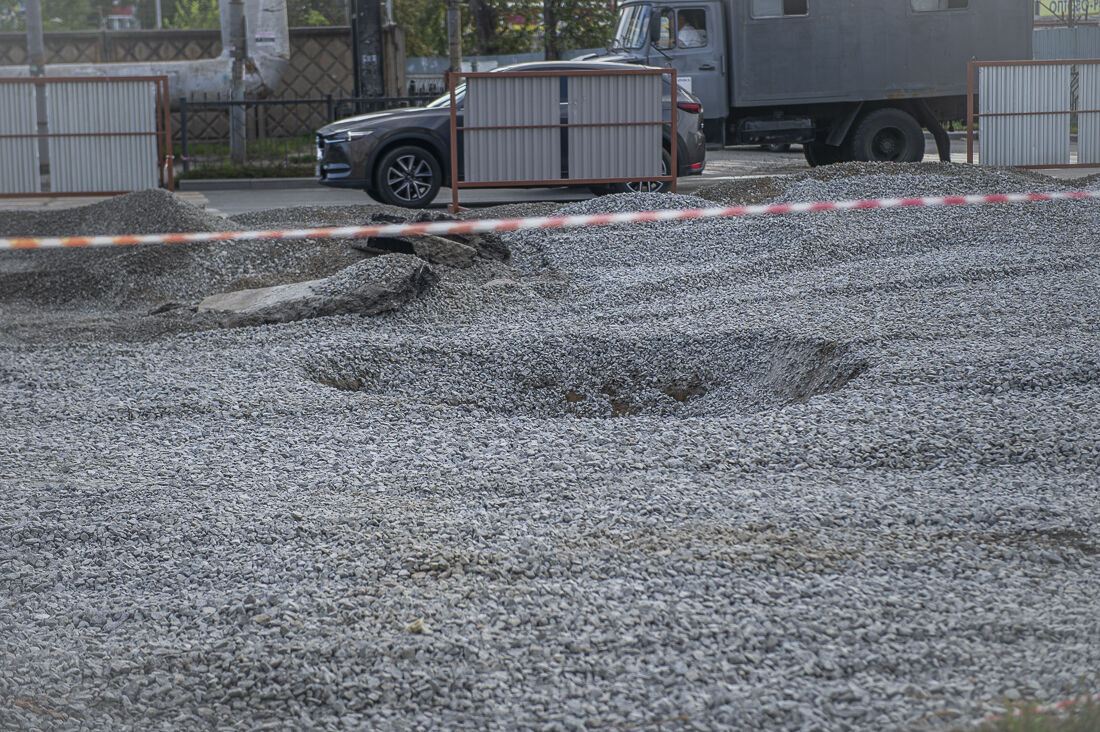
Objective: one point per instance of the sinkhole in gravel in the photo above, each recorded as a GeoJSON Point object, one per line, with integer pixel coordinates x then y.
{"type": "Point", "coordinates": [596, 376]}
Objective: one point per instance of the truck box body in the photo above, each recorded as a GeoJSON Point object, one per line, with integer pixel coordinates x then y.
{"type": "Point", "coordinates": [860, 50]}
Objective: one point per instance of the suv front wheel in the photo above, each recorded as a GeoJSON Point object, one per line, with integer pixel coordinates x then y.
{"type": "Point", "coordinates": [407, 176]}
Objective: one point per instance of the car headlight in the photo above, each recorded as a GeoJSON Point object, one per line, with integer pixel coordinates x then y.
{"type": "Point", "coordinates": [346, 136]}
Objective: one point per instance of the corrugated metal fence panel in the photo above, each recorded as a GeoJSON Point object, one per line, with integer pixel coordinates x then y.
{"type": "Point", "coordinates": [615, 151]}
{"type": "Point", "coordinates": [1035, 139]}
{"type": "Point", "coordinates": [18, 156]}
{"type": "Point", "coordinates": [102, 163]}
{"type": "Point", "coordinates": [517, 154]}
{"type": "Point", "coordinates": [1052, 44]}
{"type": "Point", "coordinates": [1088, 125]}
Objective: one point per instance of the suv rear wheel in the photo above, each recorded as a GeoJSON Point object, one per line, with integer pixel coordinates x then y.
{"type": "Point", "coordinates": [645, 186]}
{"type": "Point", "coordinates": [407, 176]}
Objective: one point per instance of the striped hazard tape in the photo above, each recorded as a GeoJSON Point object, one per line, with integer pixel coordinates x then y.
{"type": "Point", "coordinates": [540, 222]}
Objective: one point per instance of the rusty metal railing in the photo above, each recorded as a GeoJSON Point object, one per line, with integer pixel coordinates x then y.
{"type": "Point", "coordinates": [457, 181]}
{"type": "Point", "coordinates": [163, 133]}
{"type": "Point", "coordinates": [1072, 108]}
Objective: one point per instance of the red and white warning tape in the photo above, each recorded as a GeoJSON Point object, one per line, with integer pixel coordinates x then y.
{"type": "Point", "coordinates": [539, 222]}
{"type": "Point", "coordinates": [1042, 708]}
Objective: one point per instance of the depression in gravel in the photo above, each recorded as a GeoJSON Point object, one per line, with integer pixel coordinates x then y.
{"type": "Point", "coordinates": [559, 365]}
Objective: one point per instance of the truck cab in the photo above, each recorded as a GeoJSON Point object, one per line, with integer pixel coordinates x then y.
{"type": "Point", "coordinates": [687, 36]}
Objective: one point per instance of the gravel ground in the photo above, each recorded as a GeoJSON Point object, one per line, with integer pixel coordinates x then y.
{"type": "Point", "coordinates": [836, 471]}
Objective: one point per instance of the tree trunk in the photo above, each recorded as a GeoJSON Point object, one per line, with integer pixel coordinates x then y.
{"type": "Point", "coordinates": [485, 17]}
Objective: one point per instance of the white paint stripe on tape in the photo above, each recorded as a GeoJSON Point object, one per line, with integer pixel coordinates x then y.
{"type": "Point", "coordinates": [540, 222]}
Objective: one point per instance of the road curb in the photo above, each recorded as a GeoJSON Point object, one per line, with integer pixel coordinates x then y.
{"type": "Point", "coordinates": [243, 184]}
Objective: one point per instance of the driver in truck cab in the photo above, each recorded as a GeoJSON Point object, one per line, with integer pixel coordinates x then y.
{"type": "Point", "coordinates": [689, 34]}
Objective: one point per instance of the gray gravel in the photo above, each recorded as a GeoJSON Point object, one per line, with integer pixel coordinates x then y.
{"type": "Point", "coordinates": [827, 472]}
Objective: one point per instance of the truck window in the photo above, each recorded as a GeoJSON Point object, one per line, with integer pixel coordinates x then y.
{"type": "Point", "coordinates": [632, 28]}
{"type": "Point", "coordinates": [691, 28]}
{"type": "Point", "coordinates": [779, 8]}
{"type": "Point", "coordinates": [667, 23]}
{"type": "Point", "coordinates": [682, 29]}
{"type": "Point", "coordinates": [926, 6]}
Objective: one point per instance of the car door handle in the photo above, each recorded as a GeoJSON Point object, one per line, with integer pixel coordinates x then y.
{"type": "Point", "coordinates": [706, 67]}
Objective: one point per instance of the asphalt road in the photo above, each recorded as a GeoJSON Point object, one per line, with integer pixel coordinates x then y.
{"type": "Point", "coordinates": [721, 165]}
{"type": "Point", "coordinates": [730, 163]}
{"type": "Point", "coordinates": [233, 197]}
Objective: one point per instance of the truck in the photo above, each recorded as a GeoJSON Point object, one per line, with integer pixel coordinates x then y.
{"type": "Point", "coordinates": [847, 79]}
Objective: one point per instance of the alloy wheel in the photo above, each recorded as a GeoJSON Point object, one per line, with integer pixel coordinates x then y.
{"type": "Point", "coordinates": [409, 177]}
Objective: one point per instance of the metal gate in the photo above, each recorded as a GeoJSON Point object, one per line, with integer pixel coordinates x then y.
{"type": "Point", "coordinates": [561, 127]}
{"type": "Point", "coordinates": [1026, 111]}
{"type": "Point", "coordinates": [63, 136]}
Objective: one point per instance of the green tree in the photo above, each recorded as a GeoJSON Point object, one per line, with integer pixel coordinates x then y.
{"type": "Point", "coordinates": [575, 24]}
{"type": "Point", "coordinates": [425, 24]}
{"type": "Point", "coordinates": [316, 12]}
{"type": "Point", "coordinates": [56, 15]}
{"type": "Point", "coordinates": [11, 16]}
{"type": "Point", "coordinates": [204, 14]}
{"type": "Point", "coordinates": [193, 14]}
{"type": "Point", "coordinates": [491, 27]}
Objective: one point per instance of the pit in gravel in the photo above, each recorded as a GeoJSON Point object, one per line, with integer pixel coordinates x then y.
{"type": "Point", "coordinates": [597, 376]}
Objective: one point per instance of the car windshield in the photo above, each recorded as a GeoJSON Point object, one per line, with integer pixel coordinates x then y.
{"type": "Point", "coordinates": [445, 100]}
{"type": "Point", "coordinates": [633, 27]}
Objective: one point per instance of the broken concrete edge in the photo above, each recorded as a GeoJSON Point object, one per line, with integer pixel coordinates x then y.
{"type": "Point", "coordinates": [450, 250]}
{"type": "Point", "coordinates": [357, 289]}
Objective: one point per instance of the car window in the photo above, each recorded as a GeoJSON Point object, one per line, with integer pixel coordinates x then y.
{"type": "Point", "coordinates": [445, 100]}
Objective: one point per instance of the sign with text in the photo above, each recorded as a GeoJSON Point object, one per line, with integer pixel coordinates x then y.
{"type": "Point", "coordinates": [1063, 9]}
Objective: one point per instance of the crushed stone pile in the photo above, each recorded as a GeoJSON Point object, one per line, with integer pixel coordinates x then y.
{"type": "Point", "coordinates": [832, 471]}
{"type": "Point", "coordinates": [968, 179]}
{"type": "Point", "coordinates": [121, 278]}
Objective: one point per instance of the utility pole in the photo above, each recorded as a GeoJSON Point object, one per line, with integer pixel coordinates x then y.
{"type": "Point", "coordinates": [160, 18]}
{"type": "Point", "coordinates": [36, 55]}
{"type": "Point", "coordinates": [36, 48]}
{"type": "Point", "coordinates": [454, 35]}
{"type": "Point", "coordinates": [237, 133]}
{"type": "Point", "coordinates": [368, 47]}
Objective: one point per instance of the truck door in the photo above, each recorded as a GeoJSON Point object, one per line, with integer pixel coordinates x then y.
{"type": "Point", "coordinates": [691, 39]}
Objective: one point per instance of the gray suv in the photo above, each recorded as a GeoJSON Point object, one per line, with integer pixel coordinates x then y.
{"type": "Point", "coordinates": [403, 156]}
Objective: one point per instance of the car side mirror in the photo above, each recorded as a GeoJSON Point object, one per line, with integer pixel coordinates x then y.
{"type": "Point", "coordinates": [655, 30]}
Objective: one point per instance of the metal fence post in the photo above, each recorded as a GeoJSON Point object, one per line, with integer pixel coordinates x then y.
{"type": "Point", "coordinates": [330, 104]}
{"type": "Point", "coordinates": [970, 113]}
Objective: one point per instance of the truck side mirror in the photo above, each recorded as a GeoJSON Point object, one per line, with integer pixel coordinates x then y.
{"type": "Point", "coordinates": [655, 29]}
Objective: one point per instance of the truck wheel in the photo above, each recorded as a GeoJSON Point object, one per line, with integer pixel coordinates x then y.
{"type": "Point", "coordinates": [818, 153]}
{"type": "Point", "coordinates": [889, 135]}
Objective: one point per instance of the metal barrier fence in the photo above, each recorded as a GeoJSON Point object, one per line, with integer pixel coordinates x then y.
{"type": "Point", "coordinates": [280, 131]}
{"type": "Point", "coordinates": [561, 127]}
{"type": "Point", "coordinates": [85, 135]}
{"type": "Point", "coordinates": [1027, 110]}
